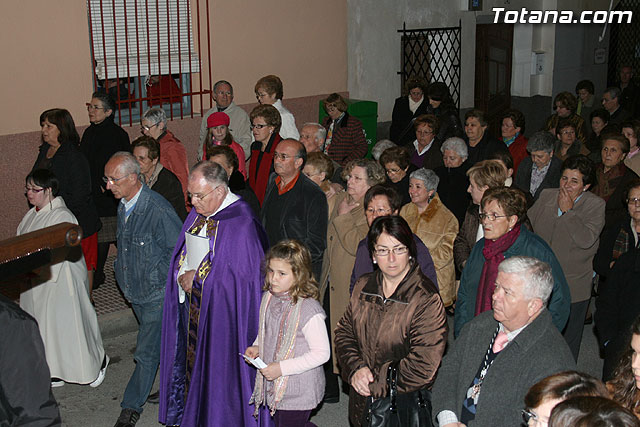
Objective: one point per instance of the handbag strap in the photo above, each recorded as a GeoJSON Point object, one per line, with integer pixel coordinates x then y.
{"type": "Point", "coordinates": [392, 381]}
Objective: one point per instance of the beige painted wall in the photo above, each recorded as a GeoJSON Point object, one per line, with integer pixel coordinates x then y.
{"type": "Point", "coordinates": [46, 60]}
{"type": "Point", "coordinates": [44, 47]}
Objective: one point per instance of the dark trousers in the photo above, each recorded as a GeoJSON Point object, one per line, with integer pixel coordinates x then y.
{"type": "Point", "coordinates": [332, 389]}
{"type": "Point", "coordinates": [293, 419]}
{"type": "Point", "coordinates": [575, 325]}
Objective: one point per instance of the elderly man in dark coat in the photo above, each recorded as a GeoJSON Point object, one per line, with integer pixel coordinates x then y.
{"type": "Point", "coordinates": [503, 352]}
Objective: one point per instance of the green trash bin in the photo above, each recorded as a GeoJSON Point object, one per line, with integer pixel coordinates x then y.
{"type": "Point", "coordinates": [366, 112]}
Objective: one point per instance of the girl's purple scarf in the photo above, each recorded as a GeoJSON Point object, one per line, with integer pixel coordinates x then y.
{"type": "Point", "coordinates": [493, 252]}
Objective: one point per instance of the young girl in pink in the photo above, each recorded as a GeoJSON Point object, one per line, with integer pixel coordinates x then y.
{"type": "Point", "coordinates": [292, 338]}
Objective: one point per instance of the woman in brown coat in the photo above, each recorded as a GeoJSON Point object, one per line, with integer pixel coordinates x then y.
{"type": "Point", "coordinates": [395, 315]}
{"type": "Point", "coordinates": [436, 226]}
{"type": "Point", "coordinates": [347, 226]}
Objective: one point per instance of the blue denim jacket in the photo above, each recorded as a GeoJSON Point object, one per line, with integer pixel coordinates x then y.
{"type": "Point", "coordinates": [145, 245]}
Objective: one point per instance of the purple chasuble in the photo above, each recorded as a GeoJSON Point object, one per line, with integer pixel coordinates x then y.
{"type": "Point", "coordinates": [228, 283]}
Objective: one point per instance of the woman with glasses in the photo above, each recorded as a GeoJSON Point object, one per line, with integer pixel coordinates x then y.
{"type": "Point", "coordinates": [570, 219]}
{"type": "Point", "coordinates": [543, 396]}
{"type": "Point", "coordinates": [57, 295]}
{"type": "Point", "coordinates": [345, 137]}
{"type": "Point", "coordinates": [567, 144]}
{"type": "Point", "coordinates": [503, 212]}
{"type": "Point", "coordinates": [436, 226]}
{"type": "Point", "coordinates": [395, 317]}
{"type": "Point", "coordinates": [565, 105]}
{"type": "Point", "coordinates": [395, 161]}
{"type": "Point", "coordinates": [101, 140]}
{"type": "Point", "coordinates": [172, 151]}
{"type": "Point", "coordinates": [265, 126]}
{"type": "Point", "coordinates": [613, 308]}
{"type": "Point", "coordinates": [347, 227]}
{"type": "Point", "coordinates": [59, 153]}
{"type": "Point", "coordinates": [269, 92]}
{"type": "Point", "coordinates": [425, 150]}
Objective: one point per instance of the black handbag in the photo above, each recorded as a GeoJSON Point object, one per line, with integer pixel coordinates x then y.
{"type": "Point", "coordinates": [399, 409]}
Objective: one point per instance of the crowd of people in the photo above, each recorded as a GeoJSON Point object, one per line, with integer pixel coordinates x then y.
{"type": "Point", "coordinates": [284, 264]}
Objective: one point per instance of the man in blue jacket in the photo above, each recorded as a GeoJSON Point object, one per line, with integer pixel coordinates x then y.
{"type": "Point", "coordinates": [148, 229]}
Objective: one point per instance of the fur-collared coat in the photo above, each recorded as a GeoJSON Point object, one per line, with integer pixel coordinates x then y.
{"type": "Point", "coordinates": [437, 227]}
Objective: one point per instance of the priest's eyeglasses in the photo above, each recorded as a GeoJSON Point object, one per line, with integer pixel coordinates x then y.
{"type": "Point", "coordinates": [200, 196]}
{"type": "Point", "coordinates": [398, 250]}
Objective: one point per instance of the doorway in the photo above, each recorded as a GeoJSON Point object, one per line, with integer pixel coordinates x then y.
{"type": "Point", "coordinates": [494, 43]}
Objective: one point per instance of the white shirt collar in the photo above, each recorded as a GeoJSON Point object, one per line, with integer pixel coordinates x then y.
{"type": "Point", "coordinates": [228, 200]}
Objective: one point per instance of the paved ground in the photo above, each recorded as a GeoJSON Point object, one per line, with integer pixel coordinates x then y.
{"type": "Point", "coordinates": [83, 406]}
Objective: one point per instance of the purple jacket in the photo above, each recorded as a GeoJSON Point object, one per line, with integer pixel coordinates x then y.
{"type": "Point", "coordinates": [364, 264]}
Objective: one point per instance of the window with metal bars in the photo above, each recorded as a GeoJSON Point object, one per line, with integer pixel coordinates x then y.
{"type": "Point", "coordinates": [145, 53]}
{"type": "Point", "coordinates": [432, 53]}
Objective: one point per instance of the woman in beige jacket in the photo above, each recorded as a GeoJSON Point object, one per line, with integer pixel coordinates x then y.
{"type": "Point", "coordinates": [347, 226]}
{"type": "Point", "coordinates": [435, 225]}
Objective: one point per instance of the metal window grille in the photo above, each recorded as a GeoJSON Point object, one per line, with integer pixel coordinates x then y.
{"type": "Point", "coordinates": [624, 45]}
{"type": "Point", "coordinates": [432, 53]}
{"type": "Point", "coordinates": [136, 43]}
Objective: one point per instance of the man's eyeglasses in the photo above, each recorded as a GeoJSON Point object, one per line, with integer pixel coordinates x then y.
{"type": "Point", "coordinates": [199, 196]}
{"type": "Point", "coordinates": [491, 216]}
{"type": "Point", "coordinates": [94, 107]}
{"type": "Point", "coordinates": [228, 93]}
{"type": "Point", "coordinates": [108, 180]}
{"type": "Point", "coordinates": [398, 250]}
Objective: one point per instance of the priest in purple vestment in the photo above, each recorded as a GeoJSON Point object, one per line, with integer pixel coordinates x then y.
{"type": "Point", "coordinates": [211, 309]}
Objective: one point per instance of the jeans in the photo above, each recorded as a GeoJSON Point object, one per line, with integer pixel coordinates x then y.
{"type": "Point", "coordinates": [147, 355]}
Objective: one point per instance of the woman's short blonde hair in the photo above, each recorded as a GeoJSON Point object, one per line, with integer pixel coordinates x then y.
{"type": "Point", "coordinates": [488, 173]}
{"type": "Point", "coordinates": [322, 163]}
{"type": "Point", "coordinates": [375, 172]}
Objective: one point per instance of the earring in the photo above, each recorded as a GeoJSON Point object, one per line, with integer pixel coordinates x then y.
{"type": "Point", "coordinates": [375, 262]}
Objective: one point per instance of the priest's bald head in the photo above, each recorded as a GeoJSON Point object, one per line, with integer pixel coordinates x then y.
{"type": "Point", "coordinates": [208, 186]}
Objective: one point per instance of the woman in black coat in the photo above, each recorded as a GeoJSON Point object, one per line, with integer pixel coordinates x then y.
{"type": "Point", "coordinates": [443, 108]}
{"type": "Point", "coordinates": [406, 109]}
{"type": "Point", "coordinates": [59, 153]}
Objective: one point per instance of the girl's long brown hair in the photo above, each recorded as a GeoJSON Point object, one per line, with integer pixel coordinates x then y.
{"type": "Point", "coordinates": [298, 257]}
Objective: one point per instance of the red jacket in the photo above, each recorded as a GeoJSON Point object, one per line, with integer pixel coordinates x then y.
{"type": "Point", "coordinates": [518, 150]}
{"type": "Point", "coordinates": [173, 156]}
{"type": "Point", "coordinates": [261, 166]}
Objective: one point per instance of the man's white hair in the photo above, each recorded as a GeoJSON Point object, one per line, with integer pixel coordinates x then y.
{"type": "Point", "coordinates": [536, 276]}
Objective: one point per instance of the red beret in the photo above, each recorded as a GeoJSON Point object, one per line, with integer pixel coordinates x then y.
{"type": "Point", "coordinates": [218, 119]}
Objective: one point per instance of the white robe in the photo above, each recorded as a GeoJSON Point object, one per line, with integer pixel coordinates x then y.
{"type": "Point", "coordinates": [59, 300]}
